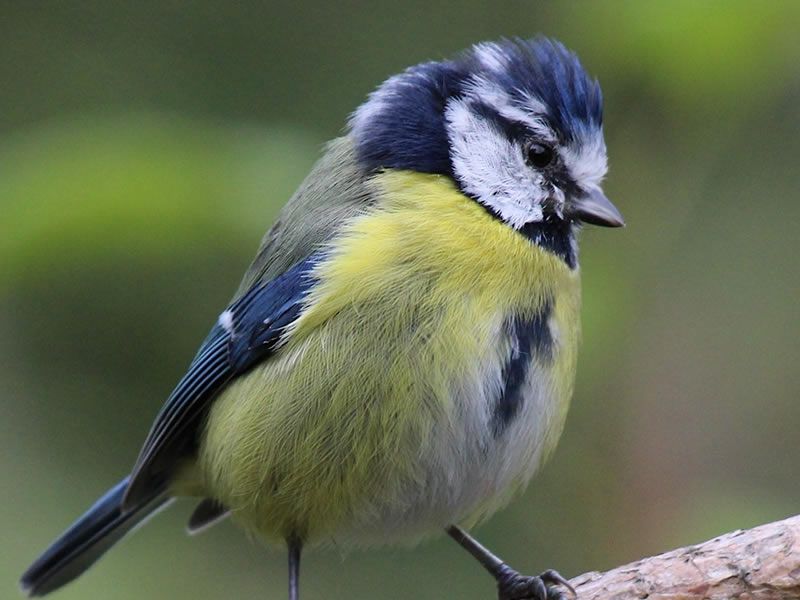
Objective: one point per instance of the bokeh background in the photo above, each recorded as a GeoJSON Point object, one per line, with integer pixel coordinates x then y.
{"type": "Point", "coordinates": [145, 147]}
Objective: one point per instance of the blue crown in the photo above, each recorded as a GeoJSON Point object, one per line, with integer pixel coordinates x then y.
{"type": "Point", "coordinates": [402, 124]}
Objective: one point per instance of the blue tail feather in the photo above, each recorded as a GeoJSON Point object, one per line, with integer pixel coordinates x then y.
{"type": "Point", "coordinates": [80, 546]}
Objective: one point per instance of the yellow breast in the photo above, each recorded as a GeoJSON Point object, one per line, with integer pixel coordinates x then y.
{"type": "Point", "coordinates": [424, 229]}
{"type": "Point", "coordinates": [338, 427]}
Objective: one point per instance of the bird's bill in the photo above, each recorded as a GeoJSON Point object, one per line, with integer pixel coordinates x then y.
{"type": "Point", "coordinates": [594, 208]}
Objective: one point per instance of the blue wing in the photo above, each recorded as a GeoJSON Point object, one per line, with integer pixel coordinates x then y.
{"type": "Point", "coordinates": [248, 331]}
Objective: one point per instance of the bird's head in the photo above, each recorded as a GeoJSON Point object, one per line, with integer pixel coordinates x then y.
{"type": "Point", "coordinates": [517, 125]}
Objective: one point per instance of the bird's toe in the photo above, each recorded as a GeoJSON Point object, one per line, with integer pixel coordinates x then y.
{"type": "Point", "coordinates": [550, 585]}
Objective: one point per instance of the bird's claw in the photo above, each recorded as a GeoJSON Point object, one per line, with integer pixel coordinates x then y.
{"type": "Point", "coordinates": [547, 586]}
{"type": "Point", "coordinates": [554, 578]}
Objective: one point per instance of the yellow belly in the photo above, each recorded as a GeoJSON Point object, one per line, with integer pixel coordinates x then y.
{"type": "Point", "coordinates": [355, 424]}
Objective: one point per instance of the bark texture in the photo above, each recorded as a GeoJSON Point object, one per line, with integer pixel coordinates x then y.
{"type": "Point", "coordinates": [762, 563]}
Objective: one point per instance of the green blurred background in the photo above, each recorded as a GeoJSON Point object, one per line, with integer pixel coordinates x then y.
{"type": "Point", "coordinates": [145, 147]}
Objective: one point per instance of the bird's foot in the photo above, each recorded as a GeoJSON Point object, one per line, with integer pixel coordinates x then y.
{"type": "Point", "coordinates": [550, 585]}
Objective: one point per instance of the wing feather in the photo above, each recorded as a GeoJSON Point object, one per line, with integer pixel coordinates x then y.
{"type": "Point", "coordinates": [254, 328]}
{"type": "Point", "coordinates": [268, 300]}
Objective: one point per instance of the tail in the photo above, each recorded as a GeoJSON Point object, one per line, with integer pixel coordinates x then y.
{"type": "Point", "coordinates": [102, 526]}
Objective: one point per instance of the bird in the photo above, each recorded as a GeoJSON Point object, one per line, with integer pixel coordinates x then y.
{"type": "Point", "coordinates": [399, 357]}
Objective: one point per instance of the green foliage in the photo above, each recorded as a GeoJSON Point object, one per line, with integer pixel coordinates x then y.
{"type": "Point", "coordinates": [138, 187]}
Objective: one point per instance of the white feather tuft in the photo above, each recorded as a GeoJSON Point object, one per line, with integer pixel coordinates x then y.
{"type": "Point", "coordinates": [226, 321]}
{"type": "Point", "coordinates": [586, 160]}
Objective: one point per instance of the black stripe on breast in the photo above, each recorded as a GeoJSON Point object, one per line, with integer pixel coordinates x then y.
{"type": "Point", "coordinates": [530, 340]}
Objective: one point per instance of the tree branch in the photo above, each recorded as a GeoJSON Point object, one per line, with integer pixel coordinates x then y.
{"type": "Point", "coordinates": [762, 563]}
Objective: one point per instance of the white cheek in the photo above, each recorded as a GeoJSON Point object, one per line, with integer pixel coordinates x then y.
{"type": "Point", "coordinates": [492, 169]}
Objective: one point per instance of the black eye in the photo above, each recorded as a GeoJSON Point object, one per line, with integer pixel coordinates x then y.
{"type": "Point", "coordinates": [539, 155]}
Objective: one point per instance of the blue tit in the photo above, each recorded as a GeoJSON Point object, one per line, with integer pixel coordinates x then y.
{"type": "Point", "coordinates": [399, 358]}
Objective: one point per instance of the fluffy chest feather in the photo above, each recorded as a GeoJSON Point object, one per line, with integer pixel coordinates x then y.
{"type": "Point", "coordinates": [424, 382]}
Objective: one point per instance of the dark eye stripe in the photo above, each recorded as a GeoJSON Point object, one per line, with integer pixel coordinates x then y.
{"type": "Point", "coordinates": [513, 130]}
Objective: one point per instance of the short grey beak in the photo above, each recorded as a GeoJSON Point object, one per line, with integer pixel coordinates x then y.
{"type": "Point", "coordinates": [596, 209]}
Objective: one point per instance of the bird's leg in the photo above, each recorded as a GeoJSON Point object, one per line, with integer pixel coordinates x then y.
{"type": "Point", "coordinates": [294, 546]}
{"type": "Point", "coordinates": [510, 584]}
